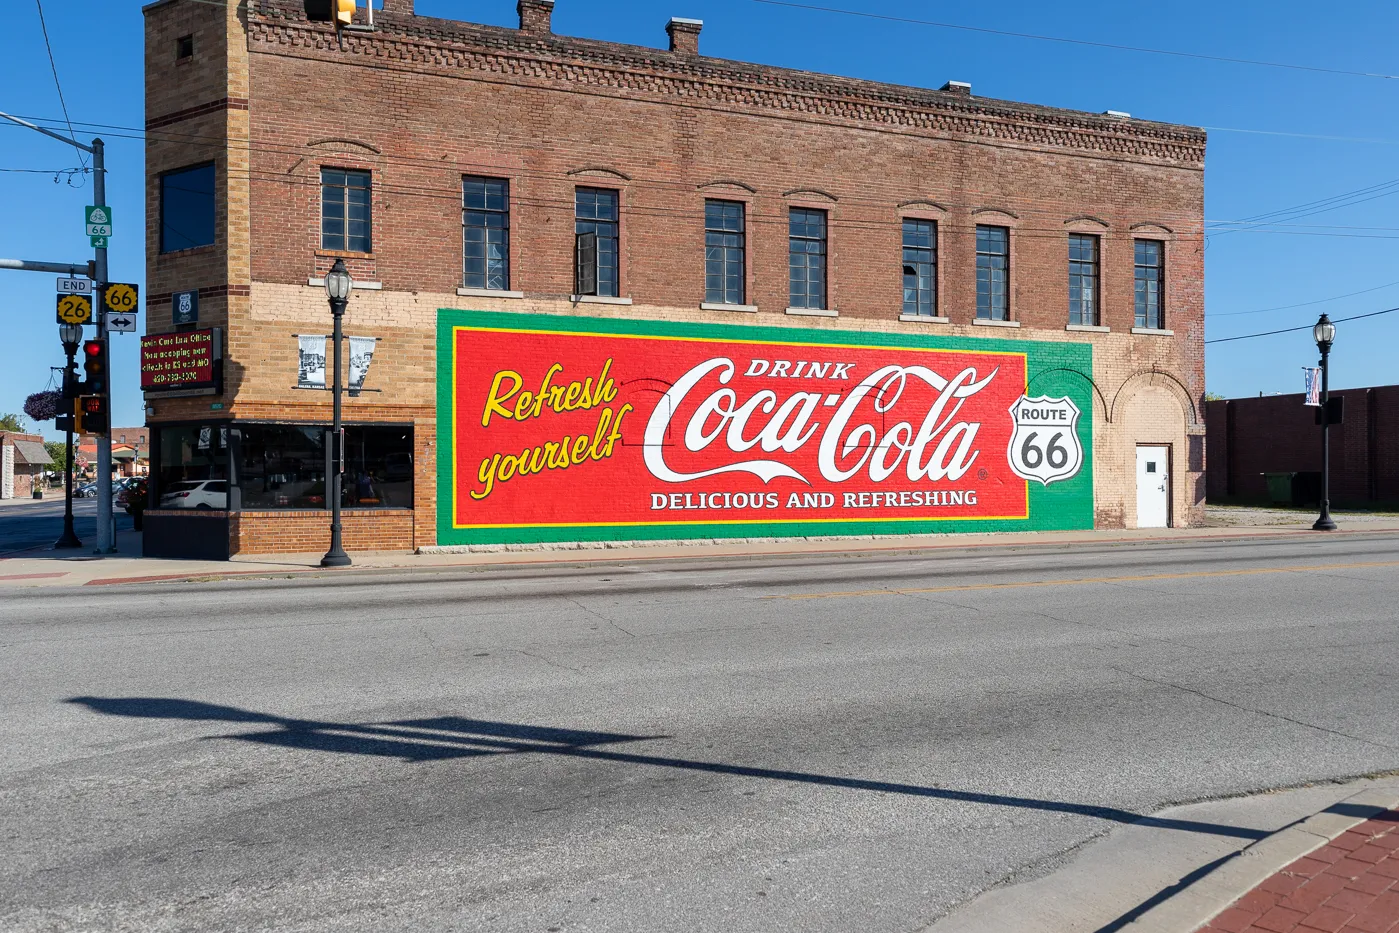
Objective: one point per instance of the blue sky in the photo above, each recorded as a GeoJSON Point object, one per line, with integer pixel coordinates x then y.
{"type": "Point", "coordinates": [1279, 137]}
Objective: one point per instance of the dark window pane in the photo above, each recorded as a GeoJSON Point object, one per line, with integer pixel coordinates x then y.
{"type": "Point", "coordinates": [485, 232]}
{"type": "Point", "coordinates": [1083, 279]}
{"type": "Point", "coordinates": [1147, 283]}
{"type": "Point", "coordinates": [596, 210]}
{"type": "Point", "coordinates": [345, 194]}
{"type": "Point", "coordinates": [992, 268]}
{"type": "Point", "coordinates": [187, 209]}
{"type": "Point", "coordinates": [920, 267]}
{"type": "Point", "coordinates": [724, 254]}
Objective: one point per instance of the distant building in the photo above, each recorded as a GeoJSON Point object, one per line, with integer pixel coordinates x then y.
{"type": "Point", "coordinates": [131, 450]}
{"type": "Point", "coordinates": [23, 461]}
{"type": "Point", "coordinates": [1252, 437]}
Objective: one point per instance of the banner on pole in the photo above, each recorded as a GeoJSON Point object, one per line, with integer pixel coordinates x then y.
{"type": "Point", "coordinates": [1312, 376]}
{"type": "Point", "coordinates": [361, 355]}
{"type": "Point", "coordinates": [310, 373]}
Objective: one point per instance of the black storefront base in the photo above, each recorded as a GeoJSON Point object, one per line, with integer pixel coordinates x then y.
{"type": "Point", "coordinates": [191, 535]}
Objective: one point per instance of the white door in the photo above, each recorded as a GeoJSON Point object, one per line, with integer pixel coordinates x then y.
{"type": "Point", "coordinates": [1153, 487]}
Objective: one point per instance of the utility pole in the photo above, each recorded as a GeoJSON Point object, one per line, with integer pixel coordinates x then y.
{"type": "Point", "coordinates": [106, 528]}
{"type": "Point", "coordinates": [106, 521]}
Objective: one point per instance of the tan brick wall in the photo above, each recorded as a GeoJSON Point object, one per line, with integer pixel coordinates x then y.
{"type": "Point", "coordinates": [309, 532]}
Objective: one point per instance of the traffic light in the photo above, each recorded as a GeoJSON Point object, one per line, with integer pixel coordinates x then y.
{"type": "Point", "coordinates": [95, 420]}
{"type": "Point", "coordinates": [339, 12]}
{"type": "Point", "coordinates": [94, 367]}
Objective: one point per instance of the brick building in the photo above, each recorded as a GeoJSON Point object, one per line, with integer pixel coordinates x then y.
{"type": "Point", "coordinates": [23, 462]}
{"type": "Point", "coordinates": [497, 191]}
{"type": "Point", "coordinates": [1251, 437]}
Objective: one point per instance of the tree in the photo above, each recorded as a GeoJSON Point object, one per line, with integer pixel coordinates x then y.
{"type": "Point", "coordinates": [11, 422]}
{"type": "Point", "coordinates": [58, 453]}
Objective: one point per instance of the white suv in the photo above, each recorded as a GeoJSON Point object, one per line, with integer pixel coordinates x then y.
{"type": "Point", "coordinates": [204, 494]}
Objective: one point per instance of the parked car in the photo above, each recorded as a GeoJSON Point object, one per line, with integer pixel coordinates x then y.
{"type": "Point", "coordinates": [132, 490]}
{"type": "Point", "coordinates": [200, 494]}
{"type": "Point", "coordinates": [86, 491]}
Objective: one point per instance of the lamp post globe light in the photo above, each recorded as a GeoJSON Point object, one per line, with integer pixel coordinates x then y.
{"type": "Point", "coordinates": [1325, 334]}
{"type": "Point", "coordinates": [70, 335]}
{"type": "Point", "coordinates": [338, 286]}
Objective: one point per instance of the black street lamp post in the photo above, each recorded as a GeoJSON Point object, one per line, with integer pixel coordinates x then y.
{"type": "Point", "coordinates": [71, 335]}
{"type": "Point", "coordinates": [338, 286]}
{"type": "Point", "coordinates": [1325, 333]}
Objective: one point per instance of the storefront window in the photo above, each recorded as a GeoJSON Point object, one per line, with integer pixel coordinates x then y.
{"type": "Point", "coordinates": [194, 467]}
{"type": "Point", "coordinates": [378, 468]}
{"type": "Point", "coordinates": [282, 466]}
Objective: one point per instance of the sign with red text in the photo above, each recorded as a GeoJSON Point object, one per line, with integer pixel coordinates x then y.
{"type": "Point", "coordinates": [185, 360]}
{"type": "Point", "coordinates": [573, 429]}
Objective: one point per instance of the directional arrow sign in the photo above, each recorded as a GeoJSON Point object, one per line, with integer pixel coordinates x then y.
{"type": "Point", "coordinates": [121, 323]}
{"type": "Point", "coordinates": [99, 220]}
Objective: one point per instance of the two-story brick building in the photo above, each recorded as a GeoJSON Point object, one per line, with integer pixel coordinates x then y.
{"type": "Point", "coordinates": [615, 292]}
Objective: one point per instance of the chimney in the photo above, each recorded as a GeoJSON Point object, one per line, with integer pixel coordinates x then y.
{"type": "Point", "coordinates": [958, 87]}
{"type": "Point", "coordinates": [401, 7]}
{"type": "Point", "coordinates": [684, 35]}
{"type": "Point", "coordinates": [535, 16]}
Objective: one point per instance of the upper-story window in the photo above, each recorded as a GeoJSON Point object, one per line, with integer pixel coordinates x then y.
{"type": "Point", "coordinates": [992, 273]}
{"type": "Point", "coordinates": [187, 208]}
{"type": "Point", "coordinates": [345, 221]}
{"type": "Point", "coordinates": [920, 267]}
{"type": "Point", "coordinates": [486, 232]}
{"type": "Point", "coordinates": [1149, 268]}
{"type": "Point", "coordinates": [807, 255]}
{"type": "Point", "coordinates": [723, 252]}
{"type": "Point", "coordinates": [595, 225]}
{"type": "Point", "coordinates": [184, 47]}
{"type": "Point", "coordinates": [1083, 279]}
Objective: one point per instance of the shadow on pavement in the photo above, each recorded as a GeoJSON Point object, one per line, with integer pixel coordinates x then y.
{"type": "Point", "coordinates": [457, 737]}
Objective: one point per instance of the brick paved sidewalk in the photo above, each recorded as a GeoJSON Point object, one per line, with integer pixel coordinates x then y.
{"type": "Point", "coordinates": [1349, 885]}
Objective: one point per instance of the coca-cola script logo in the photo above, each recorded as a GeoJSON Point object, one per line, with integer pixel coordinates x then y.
{"type": "Point", "coordinates": [863, 429]}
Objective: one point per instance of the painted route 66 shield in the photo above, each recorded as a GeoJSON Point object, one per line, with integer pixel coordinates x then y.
{"type": "Point", "coordinates": [1044, 445]}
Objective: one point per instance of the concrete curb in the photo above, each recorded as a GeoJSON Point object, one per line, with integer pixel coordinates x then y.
{"type": "Point", "coordinates": [1204, 900]}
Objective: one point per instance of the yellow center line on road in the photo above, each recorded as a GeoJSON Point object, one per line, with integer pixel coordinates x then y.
{"type": "Point", "coordinates": [1135, 579]}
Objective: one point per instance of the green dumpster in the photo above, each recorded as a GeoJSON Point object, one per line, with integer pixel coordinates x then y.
{"type": "Point", "coordinates": [1279, 487]}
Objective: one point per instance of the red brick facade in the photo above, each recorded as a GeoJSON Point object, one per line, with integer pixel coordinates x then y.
{"type": "Point", "coordinates": [1249, 437]}
{"type": "Point", "coordinates": [422, 102]}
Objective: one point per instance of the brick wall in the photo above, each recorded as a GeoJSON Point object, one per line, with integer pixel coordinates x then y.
{"type": "Point", "coordinates": [1278, 434]}
{"type": "Point", "coordinates": [423, 101]}
{"type": "Point", "coordinates": [308, 532]}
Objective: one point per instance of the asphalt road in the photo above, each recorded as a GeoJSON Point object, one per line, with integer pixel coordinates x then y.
{"type": "Point", "coordinates": [38, 523]}
{"type": "Point", "coordinates": [828, 744]}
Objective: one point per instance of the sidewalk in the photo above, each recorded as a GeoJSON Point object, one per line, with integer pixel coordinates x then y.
{"type": "Point", "coordinates": [1349, 885]}
{"type": "Point", "coordinates": [46, 568]}
{"type": "Point", "coordinates": [1315, 859]}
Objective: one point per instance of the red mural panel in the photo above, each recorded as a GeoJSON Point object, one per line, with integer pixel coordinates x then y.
{"type": "Point", "coordinates": [581, 429]}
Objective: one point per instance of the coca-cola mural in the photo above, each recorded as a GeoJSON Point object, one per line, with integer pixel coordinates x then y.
{"type": "Point", "coordinates": [572, 429]}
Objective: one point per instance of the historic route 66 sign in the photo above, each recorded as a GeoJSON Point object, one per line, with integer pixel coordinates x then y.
{"type": "Point", "coordinates": [1044, 445]}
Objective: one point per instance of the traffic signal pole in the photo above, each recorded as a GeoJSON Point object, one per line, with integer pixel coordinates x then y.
{"type": "Point", "coordinates": [106, 520]}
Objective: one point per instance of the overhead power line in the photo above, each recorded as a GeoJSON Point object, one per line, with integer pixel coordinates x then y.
{"type": "Point", "coordinates": [1088, 42]}
{"type": "Point", "coordinates": [1305, 304]}
{"type": "Point", "coordinates": [1289, 330]}
{"type": "Point", "coordinates": [53, 66]}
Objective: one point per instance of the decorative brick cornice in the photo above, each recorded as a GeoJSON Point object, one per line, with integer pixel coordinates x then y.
{"type": "Point", "coordinates": [189, 113]}
{"type": "Point", "coordinates": [440, 46]}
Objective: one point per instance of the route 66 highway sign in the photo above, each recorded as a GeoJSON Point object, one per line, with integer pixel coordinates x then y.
{"type": "Point", "coordinates": [1044, 445]}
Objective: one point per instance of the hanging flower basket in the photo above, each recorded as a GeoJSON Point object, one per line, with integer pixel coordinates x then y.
{"type": "Point", "coordinates": [43, 406]}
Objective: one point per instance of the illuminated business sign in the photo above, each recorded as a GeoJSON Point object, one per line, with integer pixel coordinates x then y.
{"type": "Point", "coordinates": [571, 429]}
{"type": "Point", "coordinates": [188, 360]}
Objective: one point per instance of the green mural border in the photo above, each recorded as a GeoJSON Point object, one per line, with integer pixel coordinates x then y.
{"type": "Point", "coordinates": [1053, 368]}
